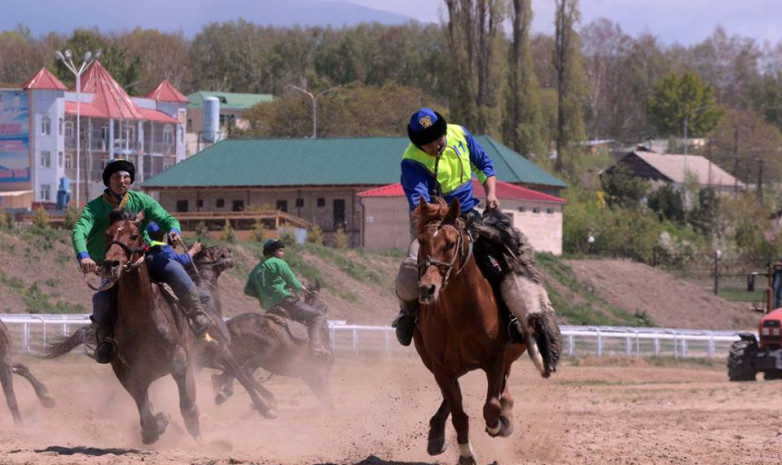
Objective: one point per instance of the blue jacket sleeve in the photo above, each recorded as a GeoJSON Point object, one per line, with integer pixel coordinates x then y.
{"type": "Point", "coordinates": [478, 156]}
{"type": "Point", "coordinates": [415, 182]}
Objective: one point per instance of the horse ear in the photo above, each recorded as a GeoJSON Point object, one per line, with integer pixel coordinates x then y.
{"type": "Point", "coordinates": [453, 212]}
{"type": "Point", "coordinates": [139, 217]}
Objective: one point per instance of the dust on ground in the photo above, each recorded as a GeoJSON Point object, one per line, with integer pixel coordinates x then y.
{"type": "Point", "coordinates": [598, 411]}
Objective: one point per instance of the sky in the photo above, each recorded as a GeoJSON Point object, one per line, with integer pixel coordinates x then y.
{"type": "Point", "coordinates": [672, 21]}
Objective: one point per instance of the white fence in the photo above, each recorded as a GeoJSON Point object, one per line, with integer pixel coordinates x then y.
{"type": "Point", "coordinates": [31, 332]}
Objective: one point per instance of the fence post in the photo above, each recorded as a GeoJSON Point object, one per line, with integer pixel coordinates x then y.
{"type": "Point", "coordinates": [717, 255]}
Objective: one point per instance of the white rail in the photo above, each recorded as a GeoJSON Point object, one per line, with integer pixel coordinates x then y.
{"type": "Point", "coordinates": [32, 331]}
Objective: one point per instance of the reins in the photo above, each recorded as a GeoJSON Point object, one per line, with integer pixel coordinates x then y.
{"type": "Point", "coordinates": [108, 283]}
{"type": "Point", "coordinates": [429, 261]}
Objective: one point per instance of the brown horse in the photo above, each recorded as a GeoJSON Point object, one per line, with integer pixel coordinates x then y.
{"type": "Point", "coordinates": [269, 341]}
{"type": "Point", "coordinates": [8, 369]}
{"type": "Point", "coordinates": [152, 340]}
{"type": "Point", "coordinates": [460, 328]}
{"type": "Point", "coordinates": [210, 263]}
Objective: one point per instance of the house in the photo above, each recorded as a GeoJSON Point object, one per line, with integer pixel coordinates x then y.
{"type": "Point", "coordinates": [38, 134]}
{"type": "Point", "coordinates": [537, 215]}
{"type": "Point", "coordinates": [317, 180]}
{"type": "Point", "coordinates": [666, 168]}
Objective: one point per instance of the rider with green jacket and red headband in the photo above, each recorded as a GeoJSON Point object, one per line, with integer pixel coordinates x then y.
{"type": "Point", "coordinates": [89, 245]}
{"type": "Point", "coordinates": [440, 160]}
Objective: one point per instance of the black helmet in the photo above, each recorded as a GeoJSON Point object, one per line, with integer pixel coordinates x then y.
{"type": "Point", "coordinates": [118, 165]}
{"type": "Point", "coordinates": [426, 125]}
{"type": "Point", "coordinates": [270, 246]}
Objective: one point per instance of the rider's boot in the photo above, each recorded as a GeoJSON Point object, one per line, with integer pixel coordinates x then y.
{"type": "Point", "coordinates": [314, 331]}
{"type": "Point", "coordinates": [515, 330]}
{"type": "Point", "coordinates": [197, 318]}
{"type": "Point", "coordinates": [106, 348]}
{"type": "Point", "coordinates": [405, 321]}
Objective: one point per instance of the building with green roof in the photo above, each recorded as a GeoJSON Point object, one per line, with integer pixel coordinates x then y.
{"type": "Point", "coordinates": [232, 106]}
{"type": "Point", "coordinates": [315, 179]}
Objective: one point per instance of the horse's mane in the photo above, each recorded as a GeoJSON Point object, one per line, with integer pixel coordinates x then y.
{"type": "Point", "coordinates": [120, 214]}
{"type": "Point", "coordinates": [435, 213]}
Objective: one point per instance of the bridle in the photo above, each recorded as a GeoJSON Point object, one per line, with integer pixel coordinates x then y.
{"type": "Point", "coordinates": [108, 283]}
{"type": "Point", "coordinates": [448, 266]}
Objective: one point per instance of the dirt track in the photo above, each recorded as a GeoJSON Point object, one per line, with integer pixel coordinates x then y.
{"type": "Point", "coordinates": [625, 412]}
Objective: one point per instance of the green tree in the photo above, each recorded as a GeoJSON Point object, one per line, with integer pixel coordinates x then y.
{"type": "Point", "coordinates": [704, 216]}
{"type": "Point", "coordinates": [683, 102]}
{"type": "Point", "coordinates": [623, 189]}
{"type": "Point", "coordinates": [668, 203]}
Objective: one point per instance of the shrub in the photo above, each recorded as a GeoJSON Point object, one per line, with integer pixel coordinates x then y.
{"type": "Point", "coordinates": [201, 230]}
{"type": "Point", "coordinates": [71, 217]}
{"type": "Point", "coordinates": [315, 235]}
{"type": "Point", "coordinates": [40, 218]}
{"type": "Point", "coordinates": [228, 234]}
{"type": "Point", "coordinates": [340, 239]}
{"type": "Point", "coordinates": [258, 232]}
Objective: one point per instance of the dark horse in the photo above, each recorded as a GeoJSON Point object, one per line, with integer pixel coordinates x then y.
{"type": "Point", "coordinates": [460, 328]}
{"type": "Point", "coordinates": [8, 369]}
{"type": "Point", "coordinates": [152, 339]}
{"type": "Point", "coordinates": [271, 341]}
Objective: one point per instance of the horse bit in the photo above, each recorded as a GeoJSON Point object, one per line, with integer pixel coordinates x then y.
{"type": "Point", "coordinates": [109, 283]}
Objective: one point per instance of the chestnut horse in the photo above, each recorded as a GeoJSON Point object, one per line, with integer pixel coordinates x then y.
{"type": "Point", "coordinates": [8, 369]}
{"type": "Point", "coordinates": [460, 328]}
{"type": "Point", "coordinates": [152, 340]}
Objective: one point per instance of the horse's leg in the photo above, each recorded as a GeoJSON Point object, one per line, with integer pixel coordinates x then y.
{"type": "Point", "coordinates": [436, 444]}
{"type": "Point", "coordinates": [182, 372]}
{"type": "Point", "coordinates": [452, 393]}
{"type": "Point", "coordinates": [249, 368]}
{"type": "Point", "coordinates": [222, 386]}
{"type": "Point", "coordinates": [495, 377]}
{"type": "Point", "coordinates": [151, 426]}
{"type": "Point", "coordinates": [6, 380]}
{"type": "Point", "coordinates": [40, 389]}
{"type": "Point", "coordinates": [250, 385]}
{"type": "Point", "coordinates": [506, 414]}
{"type": "Point", "coordinates": [320, 384]}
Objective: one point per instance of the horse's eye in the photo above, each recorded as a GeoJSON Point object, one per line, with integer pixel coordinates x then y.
{"type": "Point", "coordinates": [449, 246]}
{"type": "Point", "coordinates": [133, 237]}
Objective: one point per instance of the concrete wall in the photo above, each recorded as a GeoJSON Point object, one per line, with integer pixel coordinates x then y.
{"type": "Point", "coordinates": [386, 223]}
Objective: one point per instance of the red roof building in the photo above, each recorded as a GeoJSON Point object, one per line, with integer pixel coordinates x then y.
{"type": "Point", "coordinates": [149, 131]}
{"type": "Point", "coordinates": [537, 215]}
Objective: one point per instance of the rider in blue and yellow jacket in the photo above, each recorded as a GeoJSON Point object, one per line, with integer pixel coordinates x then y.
{"type": "Point", "coordinates": [440, 160]}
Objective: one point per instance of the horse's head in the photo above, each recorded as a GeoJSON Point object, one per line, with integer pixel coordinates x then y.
{"type": "Point", "coordinates": [442, 238]}
{"type": "Point", "coordinates": [216, 257]}
{"type": "Point", "coordinates": [124, 243]}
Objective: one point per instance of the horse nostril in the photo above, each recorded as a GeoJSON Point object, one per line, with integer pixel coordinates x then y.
{"type": "Point", "coordinates": [112, 263]}
{"type": "Point", "coordinates": [430, 290]}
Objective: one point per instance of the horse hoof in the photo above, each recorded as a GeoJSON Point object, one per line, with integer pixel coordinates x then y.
{"type": "Point", "coordinates": [467, 460]}
{"type": "Point", "coordinates": [149, 438]}
{"type": "Point", "coordinates": [162, 422]}
{"type": "Point", "coordinates": [48, 402]}
{"type": "Point", "coordinates": [506, 426]}
{"type": "Point", "coordinates": [220, 398]}
{"type": "Point", "coordinates": [436, 446]}
{"type": "Point", "coordinates": [270, 414]}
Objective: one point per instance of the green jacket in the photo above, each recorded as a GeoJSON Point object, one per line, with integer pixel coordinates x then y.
{"type": "Point", "coordinates": [89, 239]}
{"type": "Point", "coordinates": [269, 282]}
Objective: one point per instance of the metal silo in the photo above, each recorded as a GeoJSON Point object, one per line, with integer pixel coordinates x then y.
{"type": "Point", "coordinates": [211, 119]}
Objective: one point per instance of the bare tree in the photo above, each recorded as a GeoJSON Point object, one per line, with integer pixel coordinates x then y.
{"type": "Point", "coordinates": [570, 80]}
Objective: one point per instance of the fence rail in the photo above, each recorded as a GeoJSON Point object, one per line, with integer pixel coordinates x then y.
{"type": "Point", "coordinates": [31, 333]}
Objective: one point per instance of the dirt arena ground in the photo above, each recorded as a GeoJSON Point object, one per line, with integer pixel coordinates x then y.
{"type": "Point", "coordinates": [612, 411]}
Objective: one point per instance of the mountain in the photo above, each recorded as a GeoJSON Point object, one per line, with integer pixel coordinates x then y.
{"type": "Point", "coordinates": [188, 16]}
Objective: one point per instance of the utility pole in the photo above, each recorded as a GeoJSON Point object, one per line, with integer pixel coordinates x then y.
{"type": "Point", "coordinates": [760, 181]}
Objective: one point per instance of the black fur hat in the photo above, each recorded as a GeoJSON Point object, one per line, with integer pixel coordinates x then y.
{"type": "Point", "coordinates": [118, 165]}
{"type": "Point", "coordinates": [426, 125]}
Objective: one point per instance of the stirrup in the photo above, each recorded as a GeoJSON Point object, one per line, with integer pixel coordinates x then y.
{"type": "Point", "coordinates": [515, 331]}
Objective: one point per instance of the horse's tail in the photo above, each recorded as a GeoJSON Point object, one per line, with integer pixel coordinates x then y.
{"type": "Point", "coordinates": [58, 348]}
{"type": "Point", "coordinates": [548, 341]}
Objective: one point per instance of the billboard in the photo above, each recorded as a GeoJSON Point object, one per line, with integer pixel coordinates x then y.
{"type": "Point", "coordinates": [14, 137]}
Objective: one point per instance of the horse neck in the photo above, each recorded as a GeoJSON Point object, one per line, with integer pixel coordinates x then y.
{"type": "Point", "coordinates": [136, 285]}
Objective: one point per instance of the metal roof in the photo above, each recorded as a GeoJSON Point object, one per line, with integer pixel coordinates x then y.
{"type": "Point", "coordinates": [228, 100]}
{"type": "Point", "coordinates": [166, 92]}
{"type": "Point", "coordinates": [504, 191]}
{"type": "Point", "coordinates": [44, 80]}
{"type": "Point", "coordinates": [366, 162]}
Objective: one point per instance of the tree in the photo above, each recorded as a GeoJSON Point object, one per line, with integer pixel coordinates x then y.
{"type": "Point", "coordinates": [683, 102]}
{"type": "Point", "coordinates": [668, 203]}
{"type": "Point", "coordinates": [524, 120]}
{"type": "Point", "coordinates": [570, 82]}
{"type": "Point", "coordinates": [623, 189]}
{"type": "Point", "coordinates": [704, 216]}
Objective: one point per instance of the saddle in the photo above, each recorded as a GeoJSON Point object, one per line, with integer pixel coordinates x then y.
{"type": "Point", "coordinates": [280, 316]}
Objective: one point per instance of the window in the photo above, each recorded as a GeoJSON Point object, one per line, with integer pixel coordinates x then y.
{"type": "Point", "coordinates": [46, 158]}
{"type": "Point", "coordinates": [181, 206]}
{"type": "Point", "coordinates": [237, 205]}
{"type": "Point", "coordinates": [550, 211]}
{"type": "Point", "coordinates": [68, 161]}
{"type": "Point", "coordinates": [60, 126]}
{"type": "Point", "coordinates": [339, 214]}
{"type": "Point", "coordinates": [321, 202]}
{"type": "Point", "coordinates": [46, 192]}
{"type": "Point", "coordinates": [59, 158]}
{"type": "Point", "coordinates": [220, 203]}
{"type": "Point", "coordinates": [535, 209]}
{"type": "Point", "coordinates": [282, 205]}
{"type": "Point", "coordinates": [69, 129]}
{"type": "Point", "coordinates": [168, 134]}
{"type": "Point", "coordinates": [299, 202]}
{"type": "Point", "coordinates": [522, 209]}
{"type": "Point", "coordinates": [200, 203]}
{"type": "Point", "coordinates": [46, 126]}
